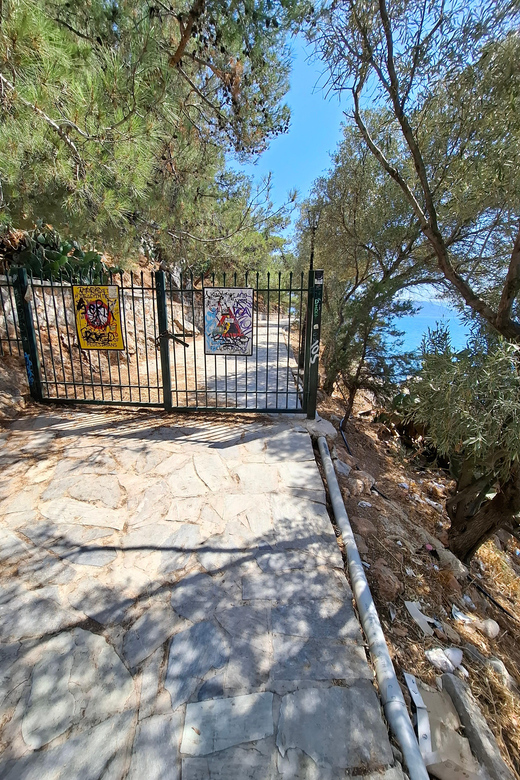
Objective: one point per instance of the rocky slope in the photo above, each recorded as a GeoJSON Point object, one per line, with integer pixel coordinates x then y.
{"type": "Point", "coordinates": [397, 510]}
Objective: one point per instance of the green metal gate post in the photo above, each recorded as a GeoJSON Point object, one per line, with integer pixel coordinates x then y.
{"type": "Point", "coordinates": [307, 341]}
{"type": "Point", "coordinates": [27, 333]}
{"type": "Point", "coordinates": [162, 316]}
{"type": "Point", "coordinates": [312, 345]}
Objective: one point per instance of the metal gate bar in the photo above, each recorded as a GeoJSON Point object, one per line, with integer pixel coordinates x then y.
{"type": "Point", "coordinates": [131, 376]}
{"type": "Point", "coordinates": [10, 339]}
{"type": "Point", "coordinates": [158, 316]}
{"type": "Point", "coordinates": [268, 380]}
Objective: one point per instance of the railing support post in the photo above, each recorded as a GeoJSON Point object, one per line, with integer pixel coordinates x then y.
{"type": "Point", "coordinates": [312, 343]}
{"type": "Point", "coordinates": [27, 333]}
{"type": "Point", "coordinates": [162, 317]}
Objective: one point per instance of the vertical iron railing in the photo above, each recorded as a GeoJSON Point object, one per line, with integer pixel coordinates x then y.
{"type": "Point", "coordinates": [163, 362]}
{"type": "Point", "coordinates": [267, 380]}
{"type": "Point", "coordinates": [10, 339]}
{"type": "Point", "coordinates": [164, 342]}
{"type": "Point", "coordinates": [131, 376]}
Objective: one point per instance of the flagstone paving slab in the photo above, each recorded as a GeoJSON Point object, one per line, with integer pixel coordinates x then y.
{"type": "Point", "coordinates": [320, 619]}
{"type": "Point", "coordinates": [155, 751]}
{"type": "Point", "coordinates": [299, 658]}
{"type": "Point", "coordinates": [149, 632]}
{"type": "Point", "coordinates": [293, 446]}
{"type": "Point", "coordinates": [193, 653]}
{"type": "Point", "coordinates": [12, 547]}
{"type": "Point", "coordinates": [36, 612]}
{"type": "Point", "coordinates": [70, 510]}
{"type": "Point", "coordinates": [103, 490]}
{"type": "Point", "coordinates": [173, 605]}
{"type": "Point", "coordinates": [150, 682]}
{"type": "Point", "coordinates": [100, 602]}
{"type": "Point", "coordinates": [255, 761]}
{"type": "Point", "coordinates": [331, 745]}
{"type": "Point", "coordinates": [217, 724]}
{"type": "Point", "coordinates": [50, 707]}
{"type": "Point", "coordinates": [43, 568]}
{"type": "Point", "coordinates": [61, 538]}
{"type": "Point", "coordinates": [294, 585]}
{"type": "Point", "coordinates": [85, 755]}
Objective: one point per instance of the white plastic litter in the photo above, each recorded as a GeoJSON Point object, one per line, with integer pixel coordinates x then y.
{"type": "Point", "coordinates": [420, 618]}
{"type": "Point", "coordinates": [488, 627]}
{"type": "Point", "coordinates": [438, 658]}
{"type": "Point", "coordinates": [454, 654]}
{"type": "Point", "coordinates": [445, 660]}
{"type": "Point", "coordinates": [459, 615]}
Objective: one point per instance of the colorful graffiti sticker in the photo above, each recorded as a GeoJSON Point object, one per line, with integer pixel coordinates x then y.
{"type": "Point", "coordinates": [98, 316]}
{"type": "Point", "coordinates": [228, 321]}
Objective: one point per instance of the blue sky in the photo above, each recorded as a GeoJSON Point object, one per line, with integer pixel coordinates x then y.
{"type": "Point", "coordinates": [297, 158]}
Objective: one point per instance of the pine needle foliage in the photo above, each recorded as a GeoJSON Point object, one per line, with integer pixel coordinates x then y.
{"type": "Point", "coordinates": [114, 115]}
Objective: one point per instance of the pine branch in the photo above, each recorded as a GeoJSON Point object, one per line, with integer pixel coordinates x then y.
{"type": "Point", "coordinates": [63, 23]}
{"type": "Point", "coordinates": [80, 171]}
{"type": "Point", "coordinates": [196, 11]}
{"type": "Point", "coordinates": [199, 93]}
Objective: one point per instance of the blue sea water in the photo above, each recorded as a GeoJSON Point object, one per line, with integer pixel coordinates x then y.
{"type": "Point", "coordinates": [431, 313]}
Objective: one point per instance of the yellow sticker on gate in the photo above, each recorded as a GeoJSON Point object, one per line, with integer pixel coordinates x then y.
{"type": "Point", "coordinates": [98, 316]}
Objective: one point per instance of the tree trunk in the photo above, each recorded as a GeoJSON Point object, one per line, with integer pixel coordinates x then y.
{"type": "Point", "coordinates": [469, 531]}
{"type": "Point", "coordinates": [328, 361]}
{"type": "Point", "coordinates": [350, 401]}
{"type": "Point", "coordinates": [328, 384]}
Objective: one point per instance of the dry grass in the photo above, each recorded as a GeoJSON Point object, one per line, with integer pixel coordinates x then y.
{"type": "Point", "coordinates": [505, 578]}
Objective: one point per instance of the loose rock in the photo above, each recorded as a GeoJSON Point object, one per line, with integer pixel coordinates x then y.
{"type": "Point", "coordinates": [363, 526]}
{"type": "Point", "coordinates": [388, 585]}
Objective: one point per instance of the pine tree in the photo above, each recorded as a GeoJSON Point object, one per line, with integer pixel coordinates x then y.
{"type": "Point", "coordinates": [114, 117]}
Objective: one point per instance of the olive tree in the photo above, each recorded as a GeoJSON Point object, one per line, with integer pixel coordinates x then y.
{"type": "Point", "coordinates": [359, 228]}
{"type": "Point", "coordinates": [448, 74]}
{"type": "Point", "coordinates": [469, 403]}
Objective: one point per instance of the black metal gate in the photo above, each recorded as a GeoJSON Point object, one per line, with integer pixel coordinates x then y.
{"type": "Point", "coordinates": [164, 361]}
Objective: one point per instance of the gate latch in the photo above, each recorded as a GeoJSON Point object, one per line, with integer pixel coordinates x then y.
{"type": "Point", "coordinates": [167, 335]}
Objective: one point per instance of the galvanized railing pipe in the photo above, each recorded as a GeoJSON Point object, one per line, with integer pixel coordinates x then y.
{"type": "Point", "coordinates": [393, 702]}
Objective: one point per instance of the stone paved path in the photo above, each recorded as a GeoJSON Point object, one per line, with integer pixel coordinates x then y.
{"type": "Point", "coordinates": [173, 605]}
